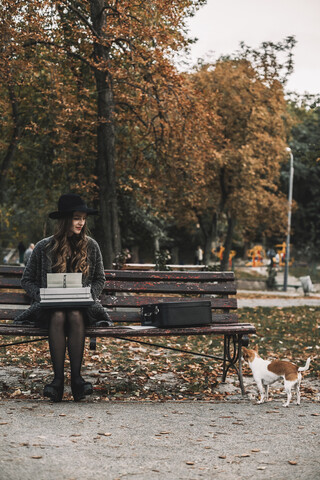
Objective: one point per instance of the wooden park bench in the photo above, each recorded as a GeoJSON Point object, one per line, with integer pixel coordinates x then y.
{"type": "Point", "coordinates": [126, 291]}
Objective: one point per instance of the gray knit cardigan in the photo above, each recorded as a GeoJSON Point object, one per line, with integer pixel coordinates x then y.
{"type": "Point", "coordinates": [35, 277]}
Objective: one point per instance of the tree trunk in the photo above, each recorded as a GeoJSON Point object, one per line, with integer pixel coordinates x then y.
{"type": "Point", "coordinates": [105, 166]}
{"type": "Point", "coordinates": [209, 240]}
{"type": "Point", "coordinates": [228, 244]}
{"type": "Point", "coordinates": [15, 138]}
{"type": "Point", "coordinates": [209, 235]}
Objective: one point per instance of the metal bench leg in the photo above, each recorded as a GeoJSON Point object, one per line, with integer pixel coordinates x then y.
{"type": "Point", "coordinates": [232, 354]}
{"type": "Point", "coordinates": [240, 376]}
{"type": "Point", "coordinates": [93, 343]}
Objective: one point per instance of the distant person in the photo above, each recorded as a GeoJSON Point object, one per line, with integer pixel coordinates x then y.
{"type": "Point", "coordinates": [199, 255]}
{"type": "Point", "coordinates": [21, 250]}
{"type": "Point", "coordinates": [271, 254]}
{"type": "Point", "coordinates": [127, 254]}
{"type": "Point", "coordinates": [27, 253]}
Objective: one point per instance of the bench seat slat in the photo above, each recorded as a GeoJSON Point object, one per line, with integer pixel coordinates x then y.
{"type": "Point", "coordinates": [215, 328]}
{"type": "Point", "coordinates": [135, 317]}
{"type": "Point", "coordinates": [10, 314]}
{"type": "Point", "coordinates": [130, 317]}
{"type": "Point", "coordinates": [231, 328]}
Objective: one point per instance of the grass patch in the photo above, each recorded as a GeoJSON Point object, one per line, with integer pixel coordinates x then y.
{"type": "Point", "coordinates": [291, 333]}
{"type": "Point", "coordinates": [304, 271]}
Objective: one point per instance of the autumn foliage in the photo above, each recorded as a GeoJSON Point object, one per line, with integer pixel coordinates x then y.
{"type": "Point", "coordinates": [92, 102]}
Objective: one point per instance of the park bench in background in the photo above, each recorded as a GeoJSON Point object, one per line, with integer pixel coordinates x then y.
{"type": "Point", "coordinates": [126, 291]}
{"type": "Point", "coordinates": [151, 266]}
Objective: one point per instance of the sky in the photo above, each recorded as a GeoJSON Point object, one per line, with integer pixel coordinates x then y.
{"type": "Point", "coordinates": [221, 25]}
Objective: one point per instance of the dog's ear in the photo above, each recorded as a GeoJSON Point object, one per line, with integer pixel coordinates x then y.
{"type": "Point", "coordinates": [256, 348]}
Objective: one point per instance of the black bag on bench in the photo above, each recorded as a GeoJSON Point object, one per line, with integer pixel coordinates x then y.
{"type": "Point", "coordinates": [177, 314]}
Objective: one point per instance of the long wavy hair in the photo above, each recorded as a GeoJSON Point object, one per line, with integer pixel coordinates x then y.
{"type": "Point", "coordinates": [62, 244]}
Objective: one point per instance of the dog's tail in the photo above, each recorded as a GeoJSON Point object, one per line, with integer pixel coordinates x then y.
{"type": "Point", "coordinates": [303, 369]}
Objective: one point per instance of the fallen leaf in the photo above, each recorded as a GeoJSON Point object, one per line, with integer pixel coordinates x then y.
{"type": "Point", "coordinates": [190, 463]}
{"type": "Point", "coordinates": [255, 450]}
{"type": "Point", "coordinates": [105, 434]}
{"type": "Point", "coordinates": [222, 456]}
{"type": "Point", "coordinates": [292, 462]}
{"type": "Point", "coordinates": [16, 393]}
{"type": "Point", "coordinates": [36, 456]}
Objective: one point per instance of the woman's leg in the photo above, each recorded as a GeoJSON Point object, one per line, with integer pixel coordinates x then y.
{"type": "Point", "coordinates": [76, 339]}
{"type": "Point", "coordinates": [57, 344]}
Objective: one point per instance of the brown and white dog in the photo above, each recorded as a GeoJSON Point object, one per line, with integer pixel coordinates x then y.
{"type": "Point", "coordinates": [266, 372]}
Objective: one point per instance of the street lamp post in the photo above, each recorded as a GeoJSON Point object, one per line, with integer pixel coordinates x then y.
{"type": "Point", "coordinates": [286, 268]}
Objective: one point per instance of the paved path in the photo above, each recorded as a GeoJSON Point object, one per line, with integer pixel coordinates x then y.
{"type": "Point", "coordinates": [253, 299]}
{"type": "Point", "coordinates": [175, 441]}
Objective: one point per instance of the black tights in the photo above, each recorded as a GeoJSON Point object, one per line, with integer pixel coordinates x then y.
{"type": "Point", "coordinates": [67, 328]}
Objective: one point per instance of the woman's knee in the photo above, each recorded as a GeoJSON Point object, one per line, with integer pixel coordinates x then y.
{"type": "Point", "coordinates": [58, 318]}
{"type": "Point", "coordinates": [75, 317]}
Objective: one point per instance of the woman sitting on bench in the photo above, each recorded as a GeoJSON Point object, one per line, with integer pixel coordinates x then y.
{"type": "Point", "coordinates": [68, 250]}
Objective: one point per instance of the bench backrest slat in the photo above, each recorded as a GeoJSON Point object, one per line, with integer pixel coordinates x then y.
{"type": "Point", "coordinates": [170, 287]}
{"type": "Point", "coordinates": [11, 270]}
{"type": "Point", "coordinates": [168, 275]}
{"type": "Point", "coordinates": [9, 282]}
{"type": "Point", "coordinates": [138, 301]}
{"type": "Point", "coordinates": [12, 298]}
{"type": "Point", "coordinates": [17, 271]}
{"type": "Point", "coordinates": [150, 286]}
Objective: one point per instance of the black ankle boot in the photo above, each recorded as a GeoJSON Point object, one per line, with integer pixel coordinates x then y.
{"type": "Point", "coordinates": [54, 391]}
{"type": "Point", "coordinates": [80, 389]}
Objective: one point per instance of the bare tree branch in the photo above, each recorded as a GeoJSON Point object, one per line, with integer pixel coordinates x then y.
{"type": "Point", "coordinates": [81, 16]}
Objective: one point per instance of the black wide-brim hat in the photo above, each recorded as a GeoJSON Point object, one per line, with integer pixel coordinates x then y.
{"type": "Point", "coordinates": [69, 203]}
